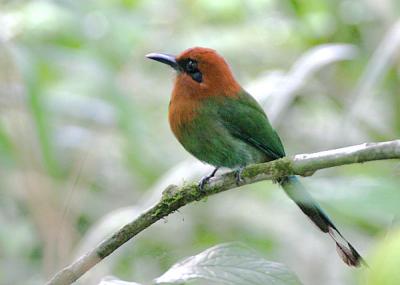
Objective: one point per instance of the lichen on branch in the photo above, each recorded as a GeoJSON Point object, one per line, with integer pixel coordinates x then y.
{"type": "Point", "coordinates": [175, 197]}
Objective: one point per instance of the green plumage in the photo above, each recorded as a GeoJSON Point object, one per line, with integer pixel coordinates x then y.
{"type": "Point", "coordinates": [231, 132]}
{"type": "Point", "coordinates": [221, 124]}
{"type": "Point", "coordinates": [234, 132]}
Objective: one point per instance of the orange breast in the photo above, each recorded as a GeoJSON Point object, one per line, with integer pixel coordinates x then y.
{"type": "Point", "coordinates": [182, 110]}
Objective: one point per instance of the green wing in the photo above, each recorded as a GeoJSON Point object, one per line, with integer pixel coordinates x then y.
{"type": "Point", "coordinates": [245, 119]}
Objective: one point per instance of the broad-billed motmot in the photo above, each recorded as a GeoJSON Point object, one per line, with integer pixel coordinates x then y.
{"type": "Point", "coordinates": [219, 123]}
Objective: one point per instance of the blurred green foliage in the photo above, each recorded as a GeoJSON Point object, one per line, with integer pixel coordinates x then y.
{"type": "Point", "coordinates": [385, 262]}
{"type": "Point", "coordinates": [84, 132]}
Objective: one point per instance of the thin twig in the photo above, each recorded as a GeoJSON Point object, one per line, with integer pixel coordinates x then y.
{"type": "Point", "coordinates": [175, 197]}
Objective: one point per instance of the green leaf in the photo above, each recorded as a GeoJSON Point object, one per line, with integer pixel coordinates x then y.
{"type": "Point", "coordinates": [385, 262]}
{"type": "Point", "coordinates": [230, 263]}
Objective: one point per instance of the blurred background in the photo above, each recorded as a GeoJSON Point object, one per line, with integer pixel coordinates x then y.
{"type": "Point", "coordinates": [85, 144]}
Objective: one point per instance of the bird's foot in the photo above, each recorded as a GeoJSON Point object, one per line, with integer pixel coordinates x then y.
{"type": "Point", "coordinates": [238, 175]}
{"type": "Point", "coordinates": [203, 181]}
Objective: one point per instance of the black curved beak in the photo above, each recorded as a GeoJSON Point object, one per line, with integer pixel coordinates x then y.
{"type": "Point", "coordinates": [164, 58]}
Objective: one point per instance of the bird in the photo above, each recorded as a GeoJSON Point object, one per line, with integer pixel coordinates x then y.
{"type": "Point", "coordinates": [221, 124]}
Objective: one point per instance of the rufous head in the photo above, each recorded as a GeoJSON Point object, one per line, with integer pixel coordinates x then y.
{"type": "Point", "coordinates": [201, 72]}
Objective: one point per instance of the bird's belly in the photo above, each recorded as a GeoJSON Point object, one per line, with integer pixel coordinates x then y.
{"type": "Point", "coordinates": [214, 144]}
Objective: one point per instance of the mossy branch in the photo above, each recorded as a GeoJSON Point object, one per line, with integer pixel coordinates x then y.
{"type": "Point", "coordinates": [175, 197]}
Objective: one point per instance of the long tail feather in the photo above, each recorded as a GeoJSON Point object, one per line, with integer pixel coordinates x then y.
{"type": "Point", "coordinates": [296, 191]}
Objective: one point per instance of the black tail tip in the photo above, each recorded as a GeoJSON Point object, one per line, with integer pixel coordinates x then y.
{"type": "Point", "coordinates": [349, 255]}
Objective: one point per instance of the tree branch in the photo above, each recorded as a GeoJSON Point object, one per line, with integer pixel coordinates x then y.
{"type": "Point", "coordinates": [175, 197]}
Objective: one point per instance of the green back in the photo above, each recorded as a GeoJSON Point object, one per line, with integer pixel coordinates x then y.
{"type": "Point", "coordinates": [245, 119]}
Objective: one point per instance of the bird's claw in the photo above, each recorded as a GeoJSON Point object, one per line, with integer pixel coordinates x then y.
{"type": "Point", "coordinates": [203, 181]}
{"type": "Point", "coordinates": [238, 176]}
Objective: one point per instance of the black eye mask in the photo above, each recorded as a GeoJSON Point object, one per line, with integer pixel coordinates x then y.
{"type": "Point", "coordinates": [189, 66]}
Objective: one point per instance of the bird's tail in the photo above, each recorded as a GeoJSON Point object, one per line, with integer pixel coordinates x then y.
{"type": "Point", "coordinates": [296, 191]}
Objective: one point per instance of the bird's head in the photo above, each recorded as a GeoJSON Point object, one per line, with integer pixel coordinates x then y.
{"type": "Point", "coordinates": [201, 72]}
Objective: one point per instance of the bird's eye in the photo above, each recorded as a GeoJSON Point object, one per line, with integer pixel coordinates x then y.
{"type": "Point", "coordinates": [197, 76]}
{"type": "Point", "coordinates": [191, 66]}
